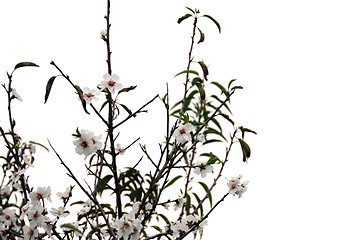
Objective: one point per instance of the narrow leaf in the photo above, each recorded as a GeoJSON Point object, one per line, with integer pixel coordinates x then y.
{"type": "Point", "coordinates": [126, 109]}
{"type": "Point", "coordinates": [204, 69]}
{"type": "Point", "coordinates": [25, 64]}
{"type": "Point", "coordinates": [215, 22]}
{"type": "Point", "coordinates": [246, 150]}
{"type": "Point", "coordinates": [80, 94]}
{"type": "Point", "coordinates": [191, 10]}
{"type": "Point", "coordinates": [48, 88]}
{"type": "Point", "coordinates": [224, 91]}
{"type": "Point", "coordinates": [185, 71]}
{"type": "Point", "coordinates": [201, 39]}
{"type": "Point", "coordinates": [70, 226]}
{"type": "Point", "coordinates": [183, 18]}
{"type": "Point", "coordinates": [103, 183]}
{"type": "Point", "coordinates": [205, 187]}
{"type": "Point", "coordinates": [227, 117]}
{"type": "Point", "coordinates": [171, 182]}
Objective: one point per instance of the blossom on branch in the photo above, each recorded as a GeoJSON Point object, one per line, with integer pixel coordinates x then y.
{"type": "Point", "coordinates": [90, 95]}
{"type": "Point", "coordinates": [14, 94]}
{"type": "Point", "coordinates": [183, 133]}
{"type": "Point", "coordinates": [202, 168]}
{"type": "Point", "coordinates": [236, 187]}
{"type": "Point", "coordinates": [110, 82]}
{"type": "Point", "coordinates": [87, 143]}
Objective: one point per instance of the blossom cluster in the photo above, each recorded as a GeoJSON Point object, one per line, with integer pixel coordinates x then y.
{"type": "Point", "coordinates": [182, 226]}
{"type": "Point", "coordinates": [236, 187]}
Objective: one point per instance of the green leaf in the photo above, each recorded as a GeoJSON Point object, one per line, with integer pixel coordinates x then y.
{"type": "Point", "coordinates": [126, 109]}
{"type": "Point", "coordinates": [164, 218]}
{"type": "Point", "coordinates": [204, 69]}
{"type": "Point", "coordinates": [205, 187]}
{"type": "Point", "coordinates": [199, 201]}
{"type": "Point", "coordinates": [191, 10]}
{"type": "Point", "coordinates": [224, 91]}
{"type": "Point", "coordinates": [171, 182]}
{"type": "Point", "coordinates": [213, 131]}
{"type": "Point", "coordinates": [201, 39]}
{"type": "Point", "coordinates": [49, 85]}
{"type": "Point", "coordinates": [80, 94]}
{"type": "Point", "coordinates": [189, 71]}
{"type": "Point", "coordinates": [184, 18]}
{"type": "Point", "coordinates": [230, 83]}
{"type": "Point", "coordinates": [236, 87]}
{"type": "Point", "coordinates": [211, 141]}
{"type": "Point", "coordinates": [201, 91]}
{"type": "Point", "coordinates": [215, 22]}
{"type": "Point", "coordinates": [25, 64]}
{"type": "Point", "coordinates": [70, 226]}
{"type": "Point", "coordinates": [188, 204]}
{"type": "Point", "coordinates": [227, 117]}
{"type": "Point", "coordinates": [102, 185]}
{"type": "Point", "coordinates": [246, 150]}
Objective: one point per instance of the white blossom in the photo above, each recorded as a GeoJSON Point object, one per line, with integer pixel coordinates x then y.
{"type": "Point", "coordinates": [60, 212]}
{"type": "Point", "coordinates": [202, 168]}
{"type": "Point", "coordinates": [30, 233]}
{"type": "Point", "coordinates": [183, 133]}
{"type": "Point", "coordinates": [14, 94]}
{"type": "Point", "coordinates": [64, 195]}
{"type": "Point", "coordinates": [87, 143]}
{"type": "Point", "coordinates": [236, 187]}
{"type": "Point", "coordinates": [179, 203]}
{"type": "Point", "coordinates": [178, 229]}
{"type": "Point", "coordinates": [111, 83]}
{"type": "Point", "coordinates": [120, 149]}
{"type": "Point", "coordinates": [40, 194]}
{"type": "Point", "coordinates": [7, 217]}
{"type": "Point", "coordinates": [89, 95]}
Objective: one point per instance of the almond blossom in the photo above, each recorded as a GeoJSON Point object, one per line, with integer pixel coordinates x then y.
{"type": "Point", "coordinates": [183, 133]}
{"type": "Point", "coordinates": [236, 187]}
{"type": "Point", "coordinates": [89, 95]}
{"type": "Point", "coordinates": [87, 143]}
{"type": "Point", "coordinates": [202, 168]}
{"type": "Point", "coordinates": [40, 194]}
{"type": "Point", "coordinates": [60, 212]}
{"type": "Point", "coordinates": [111, 83]}
{"type": "Point", "coordinates": [30, 233]}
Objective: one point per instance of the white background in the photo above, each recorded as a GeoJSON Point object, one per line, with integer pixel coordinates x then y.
{"type": "Point", "coordinates": [298, 61]}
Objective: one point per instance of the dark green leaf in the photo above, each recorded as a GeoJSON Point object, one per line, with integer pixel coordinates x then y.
{"type": "Point", "coordinates": [205, 187]}
{"type": "Point", "coordinates": [201, 39]}
{"type": "Point", "coordinates": [204, 69]}
{"type": "Point", "coordinates": [224, 91]}
{"type": "Point", "coordinates": [188, 204]}
{"type": "Point", "coordinates": [215, 22]}
{"type": "Point", "coordinates": [185, 71]}
{"type": "Point", "coordinates": [191, 10]}
{"type": "Point", "coordinates": [70, 226]}
{"type": "Point", "coordinates": [184, 17]}
{"type": "Point", "coordinates": [199, 201]}
{"type": "Point", "coordinates": [48, 88]}
{"type": "Point", "coordinates": [103, 183]}
{"type": "Point", "coordinates": [227, 117]}
{"type": "Point", "coordinates": [80, 94]}
{"type": "Point", "coordinates": [246, 150]}
{"type": "Point", "coordinates": [213, 131]}
{"type": "Point", "coordinates": [25, 64]}
{"type": "Point", "coordinates": [126, 109]}
{"type": "Point", "coordinates": [172, 181]}
{"type": "Point", "coordinates": [164, 218]}
{"type": "Point", "coordinates": [230, 83]}
{"type": "Point", "coordinates": [201, 91]}
{"type": "Point", "coordinates": [236, 87]}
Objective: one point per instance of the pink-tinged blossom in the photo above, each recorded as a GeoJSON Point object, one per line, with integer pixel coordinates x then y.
{"type": "Point", "coordinates": [90, 95]}
{"type": "Point", "coordinates": [183, 133]}
{"type": "Point", "coordinates": [40, 194]}
{"type": "Point", "coordinates": [236, 187]}
{"type": "Point", "coordinates": [35, 215]}
{"type": "Point", "coordinates": [59, 212]}
{"type": "Point", "coordinates": [7, 217]}
{"type": "Point", "coordinates": [120, 149]}
{"type": "Point", "coordinates": [15, 176]}
{"type": "Point", "coordinates": [64, 195]}
{"type": "Point", "coordinates": [179, 203]}
{"type": "Point", "coordinates": [24, 210]}
{"type": "Point", "coordinates": [5, 191]}
{"type": "Point", "coordinates": [14, 94]}
{"type": "Point", "coordinates": [178, 229]}
{"type": "Point", "coordinates": [87, 143]}
{"type": "Point", "coordinates": [202, 168]}
{"type": "Point", "coordinates": [30, 233]}
{"type": "Point", "coordinates": [128, 226]}
{"type": "Point", "coordinates": [111, 83]}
